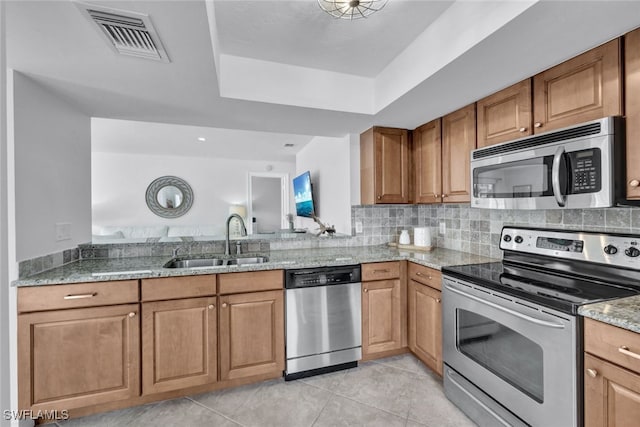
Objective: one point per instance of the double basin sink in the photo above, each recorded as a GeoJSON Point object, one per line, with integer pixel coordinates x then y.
{"type": "Point", "coordinates": [214, 262]}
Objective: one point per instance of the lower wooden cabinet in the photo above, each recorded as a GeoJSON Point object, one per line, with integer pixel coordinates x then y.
{"type": "Point", "coordinates": [251, 334]}
{"type": "Point", "coordinates": [179, 344]}
{"type": "Point", "coordinates": [382, 316]}
{"type": "Point", "coordinates": [611, 393]}
{"type": "Point", "coordinates": [78, 357]}
{"type": "Point", "coordinates": [425, 324]}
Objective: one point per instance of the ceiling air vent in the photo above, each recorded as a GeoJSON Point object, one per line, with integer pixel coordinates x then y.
{"type": "Point", "coordinates": [128, 33]}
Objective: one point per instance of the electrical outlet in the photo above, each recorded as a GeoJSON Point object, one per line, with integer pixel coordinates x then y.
{"type": "Point", "coordinates": [63, 231]}
{"type": "Point", "coordinates": [443, 228]}
{"type": "Point", "coordinates": [358, 227]}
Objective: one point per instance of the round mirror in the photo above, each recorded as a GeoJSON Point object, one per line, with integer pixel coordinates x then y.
{"type": "Point", "coordinates": [169, 197]}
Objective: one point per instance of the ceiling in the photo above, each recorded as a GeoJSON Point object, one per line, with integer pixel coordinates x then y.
{"type": "Point", "coordinates": [286, 67]}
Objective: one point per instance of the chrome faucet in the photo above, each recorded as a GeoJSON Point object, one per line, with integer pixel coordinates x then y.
{"type": "Point", "coordinates": [244, 231]}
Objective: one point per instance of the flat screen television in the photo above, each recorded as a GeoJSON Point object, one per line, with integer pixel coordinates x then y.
{"type": "Point", "coordinates": [303, 195]}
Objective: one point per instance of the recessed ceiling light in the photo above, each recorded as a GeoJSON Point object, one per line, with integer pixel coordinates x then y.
{"type": "Point", "coordinates": [289, 145]}
{"type": "Point", "coordinates": [201, 139]}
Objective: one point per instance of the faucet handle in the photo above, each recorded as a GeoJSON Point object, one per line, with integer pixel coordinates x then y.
{"type": "Point", "coordinates": [238, 248]}
{"type": "Point", "coordinates": [175, 252]}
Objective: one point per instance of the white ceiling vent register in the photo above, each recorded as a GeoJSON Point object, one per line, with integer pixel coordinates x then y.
{"type": "Point", "coordinates": [128, 33]}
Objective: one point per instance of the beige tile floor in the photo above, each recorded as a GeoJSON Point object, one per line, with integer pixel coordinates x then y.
{"type": "Point", "coordinates": [397, 391]}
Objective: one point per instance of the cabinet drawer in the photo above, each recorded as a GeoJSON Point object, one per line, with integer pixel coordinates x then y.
{"type": "Point", "coordinates": [178, 287]}
{"type": "Point", "coordinates": [251, 281]}
{"type": "Point", "coordinates": [611, 343]}
{"type": "Point", "coordinates": [380, 271]}
{"type": "Point", "coordinates": [53, 297]}
{"type": "Point", "coordinates": [425, 275]}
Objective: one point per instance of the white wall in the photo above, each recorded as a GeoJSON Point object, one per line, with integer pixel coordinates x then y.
{"type": "Point", "coordinates": [119, 183]}
{"type": "Point", "coordinates": [329, 161]}
{"type": "Point", "coordinates": [53, 170]}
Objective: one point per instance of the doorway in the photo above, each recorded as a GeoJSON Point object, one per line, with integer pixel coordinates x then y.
{"type": "Point", "coordinates": [268, 202]}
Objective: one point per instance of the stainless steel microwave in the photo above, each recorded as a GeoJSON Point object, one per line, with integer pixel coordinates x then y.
{"type": "Point", "coordinates": [576, 167]}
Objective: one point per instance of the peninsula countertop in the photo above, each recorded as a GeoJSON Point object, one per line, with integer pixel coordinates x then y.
{"type": "Point", "coordinates": [106, 269]}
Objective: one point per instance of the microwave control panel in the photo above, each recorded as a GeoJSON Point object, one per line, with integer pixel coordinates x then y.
{"type": "Point", "coordinates": [585, 166]}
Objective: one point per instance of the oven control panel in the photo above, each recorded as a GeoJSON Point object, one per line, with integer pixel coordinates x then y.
{"type": "Point", "coordinates": [605, 248]}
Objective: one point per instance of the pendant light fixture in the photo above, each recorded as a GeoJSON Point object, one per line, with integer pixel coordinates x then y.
{"type": "Point", "coordinates": [351, 9]}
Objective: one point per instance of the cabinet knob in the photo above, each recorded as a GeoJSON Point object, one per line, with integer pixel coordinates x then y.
{"type": "Point", "coordinates": [524, 129]}
{"type": "Point", "coordinates": [634, 183]}
{"type": "Point", "coordinates": [438, 300]}
{"type": "Point", "coordinates": [224, 305]}
{"type": "Point", "coordinates": [211, 307]}
{"type": "Point", "coordinates": [132, 314]}
{"type": "Point", "coordinates": [435, 195]}
{"type": "Point", "coordinates": [592, 373]}
{"type": "Point", "coordinates": [379, 197]}
{"type": "Point", "coordinates": [537, 125]}
{"type": "Point", "coordinates": [365, 290]}
{"type": "Point", "coordinates": [445, 196]}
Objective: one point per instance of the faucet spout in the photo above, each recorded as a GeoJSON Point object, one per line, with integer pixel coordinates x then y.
{"type": "Point", "coordinates": [243, 231]}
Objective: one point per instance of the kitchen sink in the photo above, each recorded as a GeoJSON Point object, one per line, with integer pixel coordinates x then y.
{"type": "Point", "coordinates": [214, 262]}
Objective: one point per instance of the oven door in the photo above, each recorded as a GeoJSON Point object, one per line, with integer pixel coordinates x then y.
{"type": "Point", "coordinates": [576, 174]}
{"type": "Point", "coordinates": [523, 357]}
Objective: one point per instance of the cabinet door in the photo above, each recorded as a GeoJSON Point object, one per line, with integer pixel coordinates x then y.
{"type": "Point", "coordinates": [179, 344]}
{"type": "Point", "coordinates": [425, 324]}
{"type": "Point", "coordinates": [79, 357]}
{"type": "Point", "coordinates": [611, 395]}
{"type": "Point", "coordinates": [391, 165]}
{"type": "Point", "coordinates": [382, 314]}
{"type": "Point", "coordinates": [251, 334]}
{"type": "Point", "coordinates": [505, 115]}
{"type": "Point", "coordinates": [427, 158]}
{"type": "Point", "coordinates": [632, 84]}
{"type": "Point", "coordinates": [458, 139]}
{"type": "Point", "coordinates": [584, 88]}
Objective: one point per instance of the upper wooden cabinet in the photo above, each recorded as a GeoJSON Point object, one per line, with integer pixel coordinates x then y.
{"type": "Point", "coordinates": [427, 160]}
{"type": "Point", "coordinates": [458, 139]}
{"type": "Point", "coordinates": [78, 357]}
{"type": "Point", "coordinates": [505, 115]}
{"type": "Point", "coordinates": [632, 108]}
{"type": "Point", "coordinates": [584, 88]}
{"type": "Point", "coordinates": [384, 166]}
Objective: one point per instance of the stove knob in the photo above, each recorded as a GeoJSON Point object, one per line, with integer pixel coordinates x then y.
{"type": "Point", "coordinates": [518, 239]}
{"type": "Point", "coordinates": [506, 238]}
{"type": "Point", "coordinates": [632, 252]}
{"type": "Point", "coordinates": [610, 250]}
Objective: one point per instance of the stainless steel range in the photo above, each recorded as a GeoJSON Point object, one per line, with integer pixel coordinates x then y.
{"type": "Point", "coordinates": [512, 345]}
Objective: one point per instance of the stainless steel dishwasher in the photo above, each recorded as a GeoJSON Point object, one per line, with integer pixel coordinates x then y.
{"type": "Point", "coordinates": [323, 320]}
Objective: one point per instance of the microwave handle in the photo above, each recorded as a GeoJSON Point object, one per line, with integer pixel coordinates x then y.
{"type": "Point", "coordinates": [555, 177]}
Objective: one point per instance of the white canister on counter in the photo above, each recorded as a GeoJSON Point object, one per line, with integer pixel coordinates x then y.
{"type": "Point", "coordinates": [405, 239]}
{"type": "Point", "coordinates": [422, 236]}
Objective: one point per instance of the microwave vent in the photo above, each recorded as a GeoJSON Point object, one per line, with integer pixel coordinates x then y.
{"type": "Point", "coordinates": [127, 33]}
{"type": "Point", "coordinates": [534, 141]}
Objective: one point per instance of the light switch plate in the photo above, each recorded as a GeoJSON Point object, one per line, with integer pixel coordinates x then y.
{"type": "Point", "coordinates": [358, 227]}
{"type": "Point", "coordinates": [63, 231]}
{"type": "Point", "coordinates": [443, 228]}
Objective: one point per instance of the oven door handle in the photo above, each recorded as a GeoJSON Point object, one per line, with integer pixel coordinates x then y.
{"type": "Point", "coordinates": [555, 177]}
{"type": "Point", "coordinates": [507, 310]}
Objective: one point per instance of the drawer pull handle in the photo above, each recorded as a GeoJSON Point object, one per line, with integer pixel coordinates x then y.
{"type": "Point", "coordinates": [81, 296]}
{"type": "Point", "coordinates": [422, 275]}
{"type": "Point", "coordinates": [625, 350]}
{"type": "Point", "coordinates": [592, 373]}
{"type": "Point", "coordinates": [386, 270]}
{"type": "Point", "coordinates": [132, 314]}
{"type": "Point", "coordinates": [211, 307]}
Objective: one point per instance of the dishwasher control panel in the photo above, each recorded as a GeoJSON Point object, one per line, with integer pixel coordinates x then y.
{"type": "Point", "coordinates": [325, 276]}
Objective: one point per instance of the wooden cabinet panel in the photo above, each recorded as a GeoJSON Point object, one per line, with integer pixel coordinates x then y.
{"type": "Point", "coordinates": [251, 334]}
{"type": "Point", "coordinates": [632, 111]}
{"type": "Point", "coordinates": [79, 357]}
{"type": "Point", "coordinates": [458, 139]}
{"type": "Point", "coordinates": [166, 288]}
{"type": "Point", "coordinates": [425, 324]}
{"type": "Point", "coordinates": [251, 281]}
{"type": "Point", "coordinates": [380, 270]}
{"type": "Point", "coordinates": [612, 395]}
{"type": "Point", "coordinates": [586, 87]}
{"type": "Point", "coordinates": [382, 316]}
{"type": "Point", "coordinates": [76, 295]}
{"type": "Point", "coordinates": [425, 275]}
{"type": "Point", "coordinates": [384, 166]}
{"type": "Point", "coordinates": [427, 160]}
{"type": "Point", "coordinates": [611, 343]}
{"type": "Point", "coordinates": [505, 115]}
{"type": "Point", "coordinates": [179, 344]}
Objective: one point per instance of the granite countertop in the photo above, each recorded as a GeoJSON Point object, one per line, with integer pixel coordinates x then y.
{"type": "Point", "coordinates": [623, 312]}
{"type": "Point", "coordinates": [105, 269]}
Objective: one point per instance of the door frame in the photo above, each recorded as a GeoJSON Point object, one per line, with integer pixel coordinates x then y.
{"type": "Point", "coordinates": [284, 197]}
